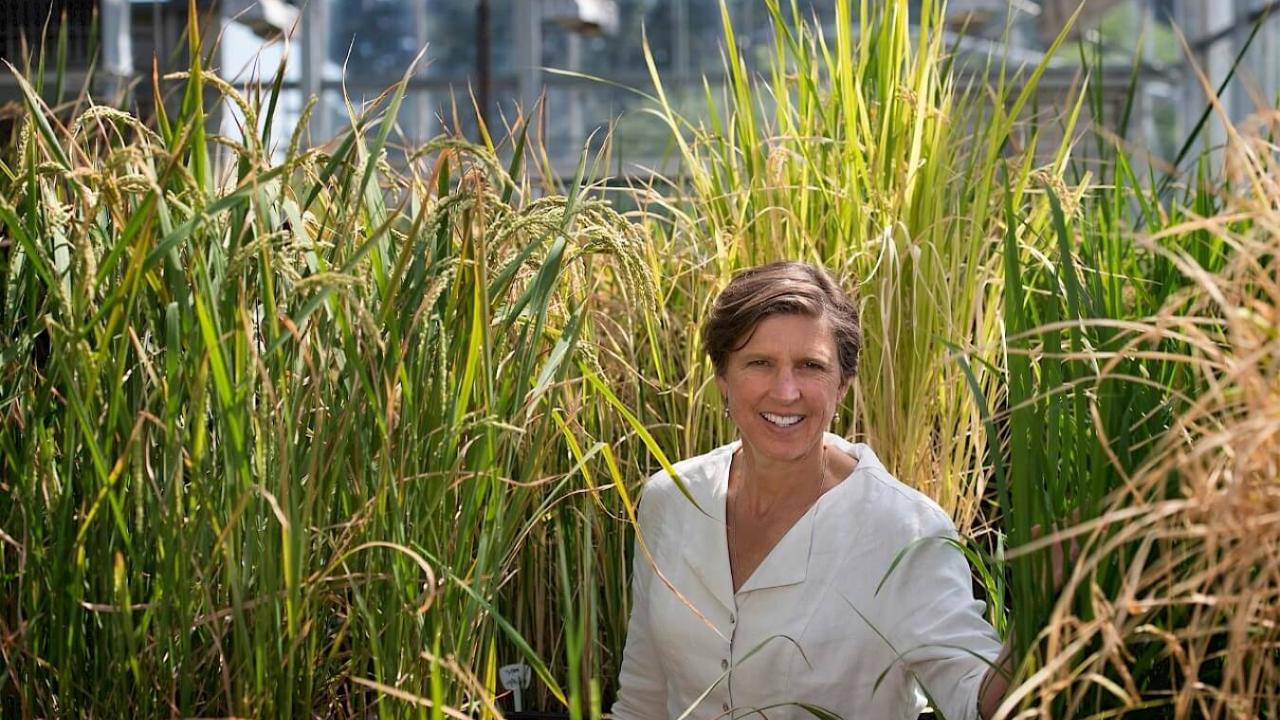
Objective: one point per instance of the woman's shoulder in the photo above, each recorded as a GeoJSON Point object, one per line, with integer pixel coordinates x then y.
{"type": "Point", "coordinates": [698, 478]}
{"type": "Point", "coordinates": [700, 471]}
{"type": "Point", "coordinates": [891, 503]}
{"type": "Point", "coordinates": [684, 493]}
{"type": "Point", "coordinates": [915, 513]}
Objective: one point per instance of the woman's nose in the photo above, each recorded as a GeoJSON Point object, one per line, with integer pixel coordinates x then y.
{"type": "Point", "coordinates": [784, 385]}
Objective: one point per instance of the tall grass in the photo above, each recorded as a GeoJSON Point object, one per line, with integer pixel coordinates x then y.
{"type": "Point", "coordinates": [1159, 416]}
{"type": "Point", "coordinates": [1121, 352]}
{"type": "Point", "coordinates": [279, 436]}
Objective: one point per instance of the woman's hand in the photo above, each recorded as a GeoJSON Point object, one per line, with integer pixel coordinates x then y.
{"type": "Point", "coordinates": [995, 684]}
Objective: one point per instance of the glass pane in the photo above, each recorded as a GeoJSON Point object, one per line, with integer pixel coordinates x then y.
{"type": "Point", "coordinates": [288, 111]}
{"type": "Point", "coordinates": [640, 138]}
{"type": "Point", "coordinates": [561, 137]}
{"type": "Point", "coordinates": [375, 39]}
{"type": "Point", "coordinates": [705, 35]}
{"type": "Point", "coordinates": [503, 108]}
{"type": "Point", "coordinates": [1260, 76]}
{"type": "Point", "coordinates": [502, 39]}
{"type": "Point", "coordinates": [451, 36]}
{"type": "Point", "coordinates": [622, 54]}
{"type": "Point", "coordinates": [555, 49]}
{"type": "Point", "coordinates": [26, 20]}
{"type": "Point", "coordinates": [685, 36]}
{"type": "Point", "coordinates": [453, 112]}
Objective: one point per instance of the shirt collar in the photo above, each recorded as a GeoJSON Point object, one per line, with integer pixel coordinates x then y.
{"type": "Point", "coordinates": [707, 551]}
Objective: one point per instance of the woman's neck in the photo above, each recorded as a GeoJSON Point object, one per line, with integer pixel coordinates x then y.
{"type": "Point", "coordinates": [764, 485]}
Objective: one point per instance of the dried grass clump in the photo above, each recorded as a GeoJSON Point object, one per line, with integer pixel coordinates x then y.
{"type": "Point", "coordinates": [1190, 549]}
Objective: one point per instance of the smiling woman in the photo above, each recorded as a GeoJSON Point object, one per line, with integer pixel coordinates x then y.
{"type": "Point", "coordinates": [772, 590]}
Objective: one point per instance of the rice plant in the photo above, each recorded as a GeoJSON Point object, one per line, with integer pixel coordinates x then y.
{"type": "Point", "coordinates": [278, 435]}
{"type": "Point", "coordinates": [1121, 351]}
{"type": "Point", "coordinates": [1170, 611]}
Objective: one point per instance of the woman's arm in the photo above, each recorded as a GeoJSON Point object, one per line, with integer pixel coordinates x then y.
{"type": "Point", "coordinates": [995, 683]}
{"type": "Point", "coordinates": [933, 619]}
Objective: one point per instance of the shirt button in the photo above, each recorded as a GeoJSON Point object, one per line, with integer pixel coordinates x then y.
{"type": "Point", "coordinates": [732, 619]}
{"type": "Point", "coordinates": [724, 664]}
{"type": "Point", "coordinates": [724, 707]}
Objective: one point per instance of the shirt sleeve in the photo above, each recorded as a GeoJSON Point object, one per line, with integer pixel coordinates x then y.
{"type": "Point", "coordinates": [642, 685]}
{"type": "Point", "coordinates": [945, 636]}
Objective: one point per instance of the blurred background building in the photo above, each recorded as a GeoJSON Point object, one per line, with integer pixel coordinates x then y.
{"type": "Point", "coordinates": [509, 53]}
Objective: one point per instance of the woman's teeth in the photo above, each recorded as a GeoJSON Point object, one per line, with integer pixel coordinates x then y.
{"type": "Point", "coordinates": [782, 420]}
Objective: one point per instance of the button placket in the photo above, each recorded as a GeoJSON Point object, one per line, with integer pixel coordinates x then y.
{"type": "Point", "coordinates": [726, 662]}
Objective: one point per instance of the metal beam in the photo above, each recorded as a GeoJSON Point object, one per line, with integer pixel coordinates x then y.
{"type": "Point", "coordinates": [117, 50]}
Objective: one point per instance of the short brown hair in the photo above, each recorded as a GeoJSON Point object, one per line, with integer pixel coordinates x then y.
{"type": "Point", "coordinates": [781, 288]}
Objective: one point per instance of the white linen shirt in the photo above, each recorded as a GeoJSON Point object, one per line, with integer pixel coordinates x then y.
{"type": "Point", "coordinates": [809, 626]}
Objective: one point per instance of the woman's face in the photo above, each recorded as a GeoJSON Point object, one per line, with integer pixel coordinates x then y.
{"type": "Point", "coordinates": [783, 386]}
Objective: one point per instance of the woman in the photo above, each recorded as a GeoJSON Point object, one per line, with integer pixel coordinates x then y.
{"type": "Point", "coordinates": [771, 591]}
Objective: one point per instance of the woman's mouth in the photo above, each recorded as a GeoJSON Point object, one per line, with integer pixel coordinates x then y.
{"type": "Point", "coordinates": [782, 421]}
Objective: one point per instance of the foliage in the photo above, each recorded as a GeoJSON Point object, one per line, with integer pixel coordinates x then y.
{"type": "Point", "coordinates": [341, 434]}
{"type": "Point", "coordinates": [278, 436]}
{"type": "Point", "coordinates": [1124, 362]}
